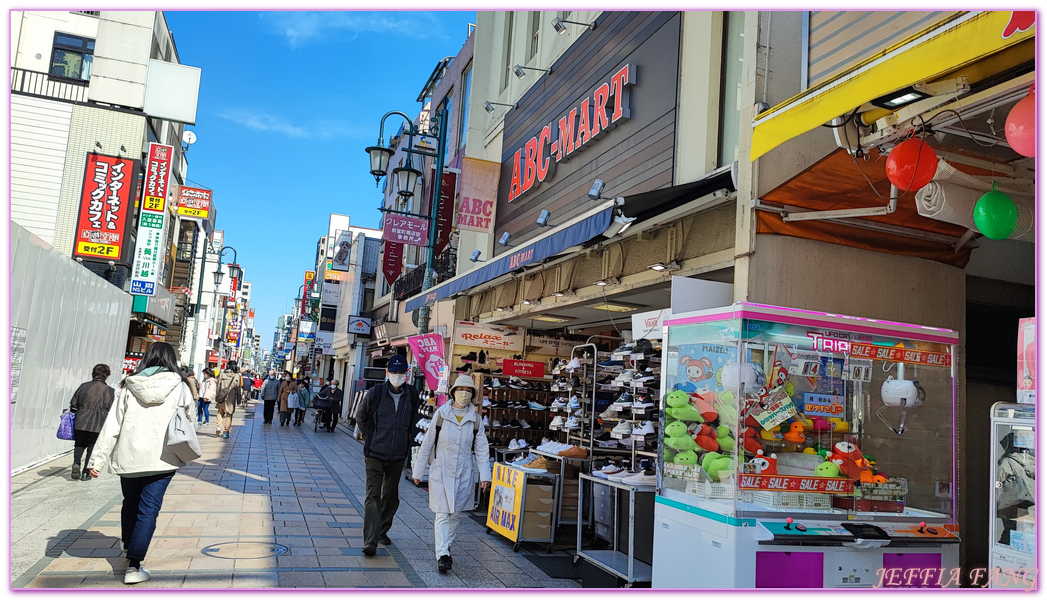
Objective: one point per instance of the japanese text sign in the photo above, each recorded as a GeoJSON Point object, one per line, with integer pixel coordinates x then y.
{"type": "Point", "coordinates": [105, 207]}
{"type": "Point", "coordinates": [405, 230]}
{"type": "Point", "coordinates": [523, 368]}
{"type": "Point", "coordinates": [479, 192]}
{"type": "Point", "coordinates": [428, 351]}
{"type": "Point", "coordinates": [149, 245]}
{"type": "Point", "coordinates": [494, 337]}
{"type": "Point", "coordinates": [775, 408]}
{"type": "Point", "coordinates": [157, 177]}
{"type": "Point", "coordinates": [823, 405]}
{"type": "Point", "coordinates": [194, 203]}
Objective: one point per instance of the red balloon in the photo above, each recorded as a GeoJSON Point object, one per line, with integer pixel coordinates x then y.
{"type": "Point", "coordinates": [1021, 126]}
{"type": "Point", "coordinates": [911, 165]}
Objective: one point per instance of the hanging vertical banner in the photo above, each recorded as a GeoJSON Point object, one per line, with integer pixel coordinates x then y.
{"type": "Point", "coordinates": [149, 245]}
{"type": "Point", "coordinates": [392, 260]}
{"type": "Point", "coordinates": [309, 277]}
{"type": "Point", "coordinates": [104, 222]}
{"type": "Point", "coordinates": [217, 240]}
{"type": "Point", "coordinates": [445, 210]}
{"type": "Point", "coordinates": [479, 192]}
{"type": "Point", "coordinates": [428, 351]}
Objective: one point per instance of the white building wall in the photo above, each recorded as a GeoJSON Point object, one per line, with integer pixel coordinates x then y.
{"type": "Point", "coordinates": [33, 35]}
{"type": "Point", "coordinates": [74, 320]}
{"type": "Point", "coordinates": [39, 135]}
{"type": "Point", "coordinates": [121, 60]}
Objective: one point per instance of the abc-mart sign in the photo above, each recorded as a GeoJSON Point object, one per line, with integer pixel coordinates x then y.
{"type": "Point", "coordinates": [587, 121]}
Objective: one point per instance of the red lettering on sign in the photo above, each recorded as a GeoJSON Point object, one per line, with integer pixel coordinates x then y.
{"type": "Point", "coordinates": [566, 134]}
{"type": "Point", "coordinates": [621, 79]}
{"type": "Point", "coordinates": [543, 152]}
{"type": "Point", "coordinates": [530, 160]}
{"type": "Point", "coordinates": [514, 183]}
{"type": "Point", "coordinates": [583, 124]}
{"type": "Point", "coordinates": [600, 121]}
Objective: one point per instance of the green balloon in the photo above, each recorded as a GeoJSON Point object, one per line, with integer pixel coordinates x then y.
{"type": "Point", "coordinates": [995, 215]}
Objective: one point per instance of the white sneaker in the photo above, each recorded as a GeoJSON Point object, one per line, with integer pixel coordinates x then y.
{"type": "Point", "coordinates": [610, 413]}
{"type": "Point", "coordinates": [487, 401]}
{"type": "Point", "coordinates": [524, 424]}
{"type": "Point", "coordinates": [573, 403]}
{"type": "Point", "coordinates": [639, 404]}
{"type": "Point", "coordinates": [418, 438]}
{"type": "Point", "coordinates": [643, 428]}
{"type": "Point", "coordinates": [496, 423]}
{"type": "Point", "coordinates": [521, 444]}
{"type": "Point", "coordinates": [647, 477]}
{"type": "Point", "coordinates": [623, 427]}
{"type": "Point", "coordinates": [486, 422]}
{"type": "Point", "coordinates": [496, 384]}
{"type": "Point", "coordinates": [556, 423]}
{"type": "Point", "coordinates": [608, 470]}
{"type": "Point", "coordinates": [138, 575]}
{"type": "Point", "coordinates": [574, 364]}
{"type": "Point", "coordinates": [572, 423]}
{"type": "Point", "coordinates": [514, 445]}
{"type": "Point", "coordinates": [619, 476]}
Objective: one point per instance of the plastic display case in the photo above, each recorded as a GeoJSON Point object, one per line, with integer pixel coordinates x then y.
{"type": "Point", "coordinates": [1012, 501]}
{"type": "Point", "coordinates": [802, 449]}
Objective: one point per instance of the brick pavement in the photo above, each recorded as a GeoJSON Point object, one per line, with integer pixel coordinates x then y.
{"type": "Point", "coordinates": [271, 507]}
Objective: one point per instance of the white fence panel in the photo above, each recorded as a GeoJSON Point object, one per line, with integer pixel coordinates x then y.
{"type": "Point", "coordinates": [73, 321]}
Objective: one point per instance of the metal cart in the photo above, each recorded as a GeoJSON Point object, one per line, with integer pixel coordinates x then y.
{"type": "Point", "coordinates": [554, 477]}
{"type": "Point", "coordinates": [615, 562]}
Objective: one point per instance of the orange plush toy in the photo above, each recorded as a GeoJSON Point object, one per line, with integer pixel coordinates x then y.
{"type": "Point", "coordinates": [704, 402]}
{"type": "Point", "coordinates": [706, 438]}
{"type": "Point", "coordinates": [751, 441]}
{"type": "Point", "coordinates": [852, 460]}
{"type": "Point", "coordinates": [765, 465]}
{"type": "Point", "coordinates": [795, 434]}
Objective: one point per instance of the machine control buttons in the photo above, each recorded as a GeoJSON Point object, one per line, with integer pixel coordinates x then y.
{"type": "Point", "coordinates": [789, 523]}
{"type": "Point", "coordinates": [800, 528]}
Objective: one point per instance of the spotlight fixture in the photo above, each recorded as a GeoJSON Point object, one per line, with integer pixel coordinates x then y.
{"type": "Point", "coordinates": [551, 318]}
{"type": "Point", "coordinates": [543, 218]}
{"type": "Point", "coordinates": [596, 190]}
{"type": "Point", "coordinates": [563, 293]}
{"type": "Point", "coordinates": [475, 256]}
{"type": "Point", "coordinates": [900, 98]}
{"type": "Point", "coordinates": [624, 221]}
{"type": "Point", "coordinates": [504, 240]}
{"type": "Point", "coordinates": [518, 70]}
{"type": "Point", "coordinates": [558, 25]}
{"type": "Point", "coordinates": [671, 266]}
{"type": "Point", "coordinates": [500, 308]}
{"type": "Point", "coordinates": [530, 302]}
{"type": "Point", "coordinates": [489, 106]}
{"type": "Point", "coordinates": [608, 281]}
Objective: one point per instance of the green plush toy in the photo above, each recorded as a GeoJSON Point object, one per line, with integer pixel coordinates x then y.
{"type": "Point", "coordinates": [828, 468]}
{"type": "Point", "coordinates": [676, 437]}
{"type": "Point", "coordinates": [726, 408]}
{"type": "Point", "coordinates": [677, 399]}
{"type": "Point", "coordinates": [685, 413]}
{"type": "Point", "coordinates": [724, 439]}
{"type": "Point", "coordinates": [717, 465]}
{"type": "Point", "coordinates": [687, 457]}
{"type": "Point", "coordinates": [668, 454]}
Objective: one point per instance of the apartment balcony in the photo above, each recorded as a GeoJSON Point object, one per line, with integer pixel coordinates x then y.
{"type": "Point", "coordinates": [35, 83]}
{"type": "Point", "coordinates": [445, 266]}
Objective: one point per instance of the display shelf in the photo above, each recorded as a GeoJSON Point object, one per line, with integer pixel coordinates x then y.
{"type": "Point", "coordinates": [620, 564]}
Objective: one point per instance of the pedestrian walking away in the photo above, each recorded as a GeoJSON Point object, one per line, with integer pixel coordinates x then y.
{"type": "Point", "coordinates": [385, 416]}
{"type": "Point", "coordinates": [133, 444]}
{"type": "Point", "coordinates": [287, 387]}
{"type": "Point", "coordinates": [207, 396]}
{"type": "Point", "coordinates": [190, 378]}
{"type": "Point", "coordinates": [292, 403]}
{"type": "Point", "coordinates": [270, 393]}
{"type": "Point", "coordinates": [302, 402]}
{"type": "Point", "coordinates": [228, 396]}
{"type": "Point", "coordinates": [247, 382]}
{"type": "Point", "coordinates": [90, 404]}
{"type": "Point", "coordinates": [459, 441]}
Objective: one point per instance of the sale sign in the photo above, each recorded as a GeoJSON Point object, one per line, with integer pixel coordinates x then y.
{"type": "Point", "coordinates": [405, 230]}
{"type": "Point", "coordinates": [902, 355]}
{"type": "Point", "coordinates": [428, 351]}
{"type": "Point", "coordinates": [194, 203]}
{"type": "Point", "coordinates": [392, 260]}
{"type": "Point", "coordinates": [786, 483]}
{"type": "Point", "coordinates": [105, 207]}
{"type": "Point", "coordinates": [479, 191]}
{"type": "Point", "coordinates": [523, 368]}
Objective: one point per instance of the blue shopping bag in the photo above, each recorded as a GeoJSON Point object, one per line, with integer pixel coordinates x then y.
{"type": "Point", "coordinates": [65, 426]}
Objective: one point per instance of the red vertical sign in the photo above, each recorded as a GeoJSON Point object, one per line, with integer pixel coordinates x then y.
{"type": "Point", "coordinates": [392, 260]}
{"type": "Point", "coordinates": [105, 207]}
{"type": "Point", "coordinates": [157, 177]}
{"type": "Point", "coordinates": [445, 210]}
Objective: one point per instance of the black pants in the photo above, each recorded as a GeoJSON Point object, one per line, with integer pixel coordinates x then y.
{"type": "Point", "coordinates": [299, 416]}
{"type": "Point", "coordinates": [83, 440]}
{"type": "Point", "coordinates": [267, 412]}
{"type": "Point", "coordinates": [383, 496]}
{"type": "Point", "coordinates": [143, 497]}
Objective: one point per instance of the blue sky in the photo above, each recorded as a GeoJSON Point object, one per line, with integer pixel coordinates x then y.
{"type": "Point", "coordinates": [288, 102]}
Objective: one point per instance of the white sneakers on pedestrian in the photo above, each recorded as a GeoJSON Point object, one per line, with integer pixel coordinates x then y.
{"type": "Point", "coordinates": [623, 427]}
{"type": "Point", "coordinates": [133, 575]}
{"type": "Point", "coordinates": [643, 428]}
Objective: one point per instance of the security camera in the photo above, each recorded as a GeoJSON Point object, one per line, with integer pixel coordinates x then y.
{"type": "Point", "coordinates": [597, 189]}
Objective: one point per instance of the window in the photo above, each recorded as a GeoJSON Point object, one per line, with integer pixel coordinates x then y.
{"type": "Point", "coordinates": [508, 70]}
{"type": "Point", "coordinates": [536, 17]}
{"type": "Point", "coordinates": [730, 92]}
{"type": "Point", "coordinates": [463, 120]}
{"type": "Point", "coordinates": [72, 57]}
{"type": "Point", "coordinates": [565, 14]}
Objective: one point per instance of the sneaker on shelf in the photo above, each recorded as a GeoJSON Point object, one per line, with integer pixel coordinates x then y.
{"type": "Point", "coordinates": [418, 438]}
{"type": "Point", "coordinates": [642, 404]}
{"type": "Point", "coordinates": [646, 477]}
{"type": "Point", "coordinates": [469, 357]}
{"type": "Point", "coordinates": [482, 358]}
{"type": "Point", "coordinates": [521, 443]}
{"type": "Point", "coordinates": [535, 405]}
{"type": "Point", "coordinates": [514, 445]}
{"type": "Point", "coordinates": [574, 403]}
{"type": "Point", "coordinates": [496, 383]}
{"type": "Point", "coordinates": [496, 372]}
{"type": "Point", "coordinates": [623, 427]}
{"type": "Point", "coordinates": [557, 404]}
{"type": "Point", "coordinates": [610, 413]}
{"type": "Point", "coordinates": [487, 401]}
{"type": "Point", "coordinates": [623, 349]}
{"type": "Point", "coordinates": [524, 424]}
{"type": "Point", "coordinates": [610, 363]}
{"type": "Point", "coordinates": [556, 423]}
{"type": "Point", "coordinates": [514, 424]}
{"type": "Point", "coordinates": [574, 364]}
{"type": "Point", "coordinates": [574, 452]}
{"type": "Point", "coordinates": [619, 476]}
{"type": "Point", "coordinates": [643, 428]}
{"type": "Point", "coordinates": [624, 377]}
{"type": "Point", "coordinates": [485, 371]}
{"type": "Point", "coordinates": [519, 460]}
{"type": "Point", "coordinates": [644, 345]}
{"type": "Point", "coordinates": [486, 422]}
{"type": "Point", "coordinates": [575, 382]}
{"type": "Point", "coordinates": [643, 377]}
{"type": "Point", "coordinates": [496, 423]}
{"type": "Point", "coordinates": [420, 424]}
{"type": "Point", "coordinates": [517, 384]}
{"type": "Point", "coordinates": [604, 437]}
{"type": "Point", "coordinates": [608, 470]}
{"type": "Point", "coordinates": [572, 423]}
{"type": "Point", "coordinates": [464, 369]}
{"type": "Point", "coordinates": [624, 401]}
{"type": "Point", "coordinates": [501, 404]}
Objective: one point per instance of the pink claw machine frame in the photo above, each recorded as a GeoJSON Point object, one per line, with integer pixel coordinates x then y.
{"type": "Point", "coordinates": [805, 450]}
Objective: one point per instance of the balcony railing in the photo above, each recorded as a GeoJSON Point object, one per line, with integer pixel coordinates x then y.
{"type": "Point", "coordinates": [35, 83]}
{"type": "Point", "coordinates": [445, 266]}
{"type": "Point", "coordinates": [185, 252]}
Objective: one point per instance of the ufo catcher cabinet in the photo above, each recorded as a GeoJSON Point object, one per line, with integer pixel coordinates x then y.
{"type": "Point", "coordinates": [805, 450]}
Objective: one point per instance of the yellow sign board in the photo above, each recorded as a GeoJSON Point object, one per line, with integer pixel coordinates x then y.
{"type": "Point", "coordinates": [102, 250]}
{"type": "Point", "coordinates": [155, 204]}
{"type": "Point", "coordinates": [506, 510]}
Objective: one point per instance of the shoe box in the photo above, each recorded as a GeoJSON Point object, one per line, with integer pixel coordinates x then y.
{"type": "Point", "coordinates": [540, 497]}
{"type": "Point", "coordinates": [538, 511]}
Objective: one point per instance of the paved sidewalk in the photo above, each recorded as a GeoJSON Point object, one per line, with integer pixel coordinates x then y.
{"type": "Point", "coordinates": [270, 507]}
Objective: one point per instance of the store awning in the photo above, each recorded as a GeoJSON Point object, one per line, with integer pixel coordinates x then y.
{"type": "Point", "coordinates": [656, 202]}
{"type": "Point", "coordinates": [932, 53]}
{"type": "Point", "coordinates": [578, 231]}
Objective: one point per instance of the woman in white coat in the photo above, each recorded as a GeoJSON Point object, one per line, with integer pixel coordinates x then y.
{"type": "Point", "coordinates": [460, 441]}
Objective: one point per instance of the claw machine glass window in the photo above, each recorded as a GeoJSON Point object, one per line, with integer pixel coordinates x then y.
{"type": "Point", "coordinates": [1012, 520]}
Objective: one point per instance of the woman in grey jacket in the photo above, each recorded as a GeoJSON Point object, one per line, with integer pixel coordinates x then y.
{"type": "Point", "coordinates": [90, 404]}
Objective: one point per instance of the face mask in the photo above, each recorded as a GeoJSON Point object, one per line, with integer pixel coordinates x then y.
{"type": "Point", "coordinates": [334, 386]}
{"type": "Point", "coordinates": [462, 397]}
{"type": "Point", "coordinates": [397, 379]}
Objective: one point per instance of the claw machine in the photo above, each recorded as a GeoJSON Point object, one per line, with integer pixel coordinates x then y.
{"type": "Point", "coordinates": [805, 450]}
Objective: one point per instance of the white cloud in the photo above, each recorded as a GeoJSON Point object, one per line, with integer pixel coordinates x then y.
{"type": "Point", "coordinates": [262, 121]}
{"type": "Point", "coordinates": [302, 27]}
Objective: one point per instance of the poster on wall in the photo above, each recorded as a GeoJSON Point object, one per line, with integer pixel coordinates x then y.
{"type": "Point", "coordinates": [18, 338]}
{"type": "Point", "coordinates": [478, 194]}
{"type": "Point", "coordinates": [106, 206]}
{"type": "Point", "coordinates": [428, 351]}
{"type": "Point", "coordinates": [194, 203]}
{"type": "Point", "coordinates": [494, 337]}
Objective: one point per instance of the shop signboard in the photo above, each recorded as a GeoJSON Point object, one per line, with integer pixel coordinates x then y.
{"type": "Point", "coordinates": [106, 206]}
{"type": "Point", "coordinates": [360, 325]}
{"type": "Point", "coordinates": [288, 346]}
{"type": "Point", "coordinates": [648, 325]}
{"type": "Point", "coordinates": [428, 351]}
{"type": "Point", "coordinates": [900, 354]}
{"type": "Point", "coordinates": [479, 192]}
{"type": "Point", "coordinates": [310, 276]}
{"type": "Point", "coordinates": [342, 247]}
{"type": "Point", "coordinates": [194, 203]}
{"type": "Point", "coordinates": [131, 360]}
{"type": "Point", "coordinates": [523, 368]}
{"type": "Point", "coordinates": [791, 483]}
{"type": "Point", "coordinates": [392, 260]}
{"type": "Point", "coordinates": [327, 318]}
{"type": "Point", "coordinates": [552, 346]}
{"type": "Point", "coordinates": [493, 337]}
{"type": "Point", "coordinates": [149, 250]}
{"type": "Point", "coordinates": [445, 209]}
{"type": "Point", "coordinates": [325, 341]}
{"type": "Point", "coordinates": [405, 230]}
{"type": "Point", "coordinates": [217, 240]}
{"type": "Point", "coordinates": [306, 330]}
{"type": "Point", "coordinates": [505, 510]}
{"type": "Point", "coordinates": [332, 294]}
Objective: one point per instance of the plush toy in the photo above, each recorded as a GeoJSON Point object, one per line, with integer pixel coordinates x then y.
{"type": "Point", "coordinates": [839, 425]}
{"type": "Point", "coordinates": [810, 451]}
{"type": "Point", "coordinates": [723, 437]}
{"type": "Point", "coordinates": [704, 401]}
{"type": "Point", "coordinates": [795, 434]}
{"type": "Point", "coordinates": [750, 440]}
{"type": "Point", "coordinates": [808, 424]}
{"type": "Point", "coordinates": [765, 465]}
{"type": "Point", "coordinates": [668, 454]}
{"type": "Point", "coordinates": [829, 468]}
{"type": "Point", "coordinates": [718, 466]}
{"type": "Point", "coordinates": [852, 459]}
{"type": "Point", "coordinates": [676, 437]}
{"type": "Point", "coordinates": [726, 409]}
{"type": "Point", "coordinates": [706, 438]}
{"type": "Point", "coordinates": [771, 435]}
{"type": "Point", "coordinates": [790, 389]}
{"type": "Point", "coordinates": [685, 413]}
{"type": "Point", "coordinates": [687, 457]}
{"type": "Point", "coordinates": [677, 398]}
{"type": "Point", "coordinates": [821, 424]}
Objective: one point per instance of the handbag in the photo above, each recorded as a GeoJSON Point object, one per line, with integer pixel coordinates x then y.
{"type": "Point", "coordinates": [181, 435]}
{"type": "Point", "coordinates": [65, 425]}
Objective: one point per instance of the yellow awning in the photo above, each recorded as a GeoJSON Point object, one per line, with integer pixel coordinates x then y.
{"type": "Point", "coordinates": [927, 55]}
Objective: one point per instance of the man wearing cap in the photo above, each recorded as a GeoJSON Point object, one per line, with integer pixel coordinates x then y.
{"type": "Point", "coordinates": [385, 416]}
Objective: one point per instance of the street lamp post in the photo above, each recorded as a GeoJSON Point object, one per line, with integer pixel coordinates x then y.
{"type": "Point", "coordinates": [234, 272]}
{"type": "Point", "coordinates": [406, 180]}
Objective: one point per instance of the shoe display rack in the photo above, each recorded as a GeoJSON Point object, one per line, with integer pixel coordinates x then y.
{"type": "Point", "coordinates": [425, 419]}
{"type": "Point", "coordinates": [516, 408]}
{"type": "Point", "coordinates": [620, 559]}
{"type": "Point", "coordinates": [631, 375]}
